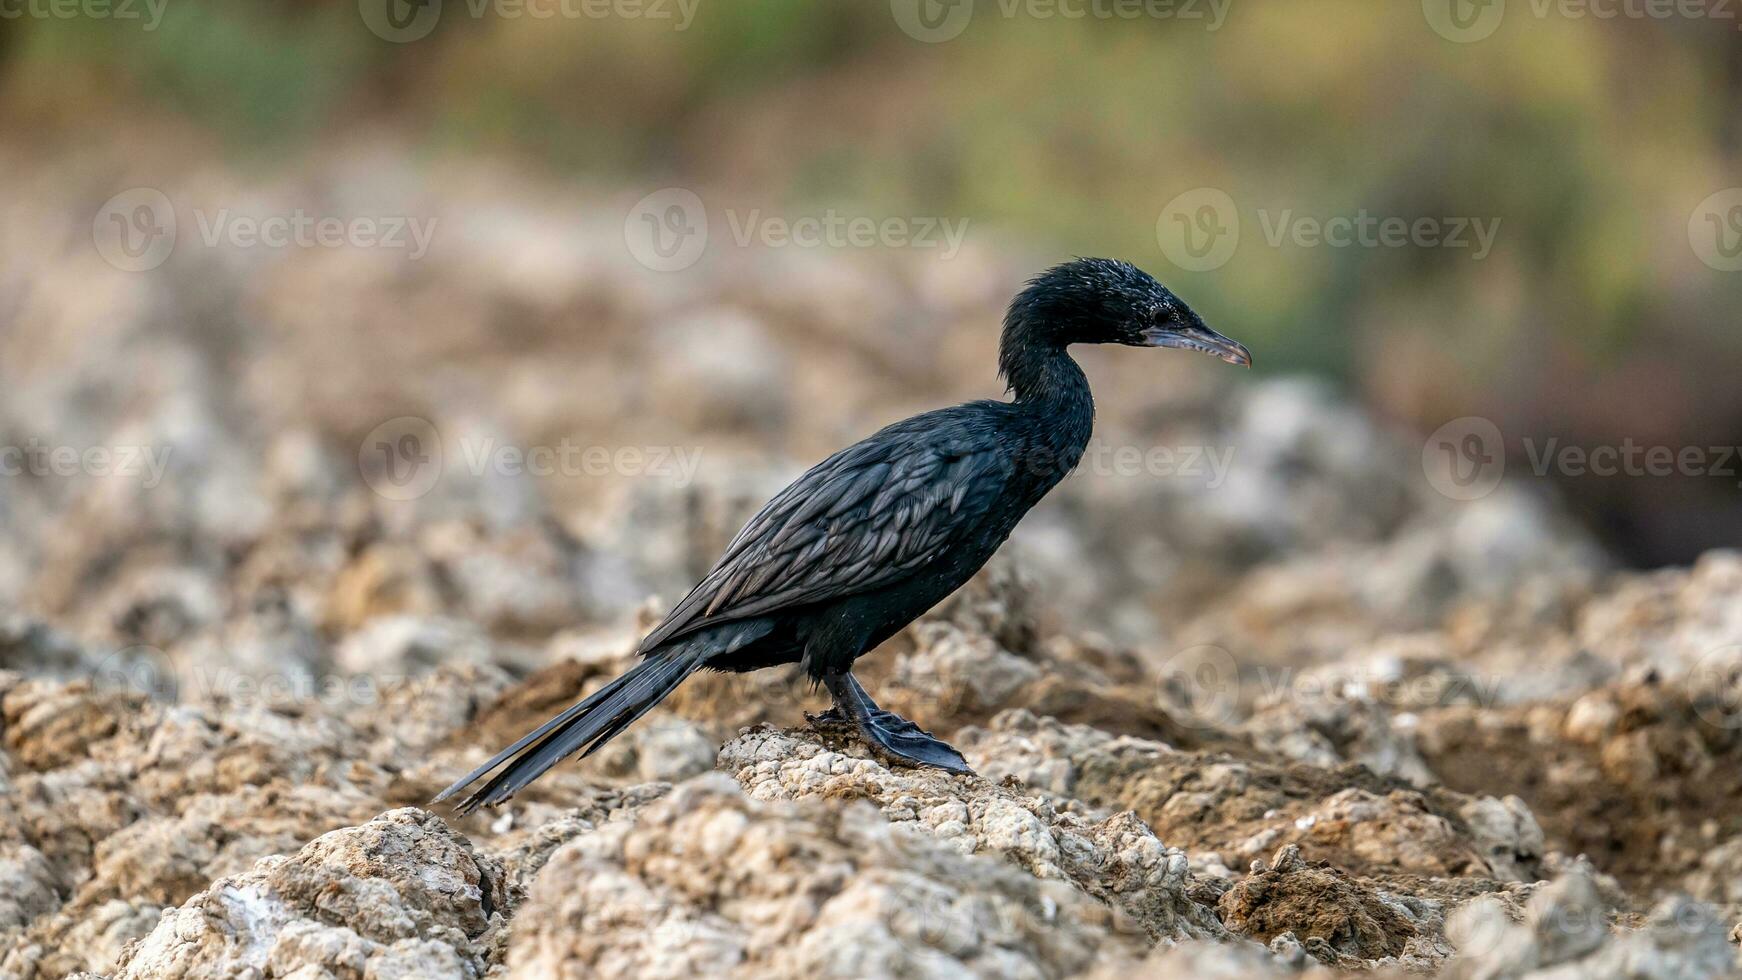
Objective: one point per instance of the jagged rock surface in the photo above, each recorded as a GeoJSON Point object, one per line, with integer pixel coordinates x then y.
{"type": "Point", "coordinates": [709, 882]}
{"type": "Point", "coordinates": [1428, 730]}
{"type": "Point", "coordinates": [1117, 859]}
{"type": "Point", "coordinates": [399, 896]}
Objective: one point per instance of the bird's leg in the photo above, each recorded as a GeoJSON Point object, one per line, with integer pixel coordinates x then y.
{"type": "Point", "coordinates": [888, 732]}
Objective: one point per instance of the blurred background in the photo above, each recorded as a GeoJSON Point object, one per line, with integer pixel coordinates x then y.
{"type": "Point", "coordinates": [293, 246]}
{"type": "Point", "coordinates": [374, 373]}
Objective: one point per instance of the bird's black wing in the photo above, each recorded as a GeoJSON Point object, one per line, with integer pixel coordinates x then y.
{"type": "Point", "coordinates": [859, 520]}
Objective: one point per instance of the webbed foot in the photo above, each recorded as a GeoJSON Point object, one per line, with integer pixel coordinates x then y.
{"type": "Point", "coordinates": [887, 731]}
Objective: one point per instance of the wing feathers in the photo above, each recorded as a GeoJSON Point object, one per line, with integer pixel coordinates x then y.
{"type": "Point", "coordinates": [859, 520]}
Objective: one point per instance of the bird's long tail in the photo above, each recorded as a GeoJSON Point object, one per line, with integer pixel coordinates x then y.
{"type": "Point", "coordinates": [585, 726]}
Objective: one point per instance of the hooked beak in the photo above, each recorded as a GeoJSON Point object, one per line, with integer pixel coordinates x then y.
{"type": "Point", "coordinates": [1201, 339]}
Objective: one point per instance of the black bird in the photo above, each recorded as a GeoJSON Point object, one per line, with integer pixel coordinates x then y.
{"type": "Point", "coordinates": [881, 531]}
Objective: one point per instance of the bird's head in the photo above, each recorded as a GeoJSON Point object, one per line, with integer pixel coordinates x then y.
{"type": "Point", "coordinates": [1106, 301]}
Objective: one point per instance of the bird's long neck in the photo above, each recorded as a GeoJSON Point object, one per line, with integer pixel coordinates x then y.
{"type": "Point", "coordinates": [1047, 379]}
{"type": "Point", "coordinates": [1052, 390]}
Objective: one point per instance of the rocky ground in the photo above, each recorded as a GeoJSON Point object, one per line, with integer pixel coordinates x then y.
{"type": "Point", "coordinates": [1305, 718]}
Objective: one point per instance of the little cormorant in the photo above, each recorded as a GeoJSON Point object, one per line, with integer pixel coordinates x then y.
{"type": "Point", "coordinates": [873, 536]}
